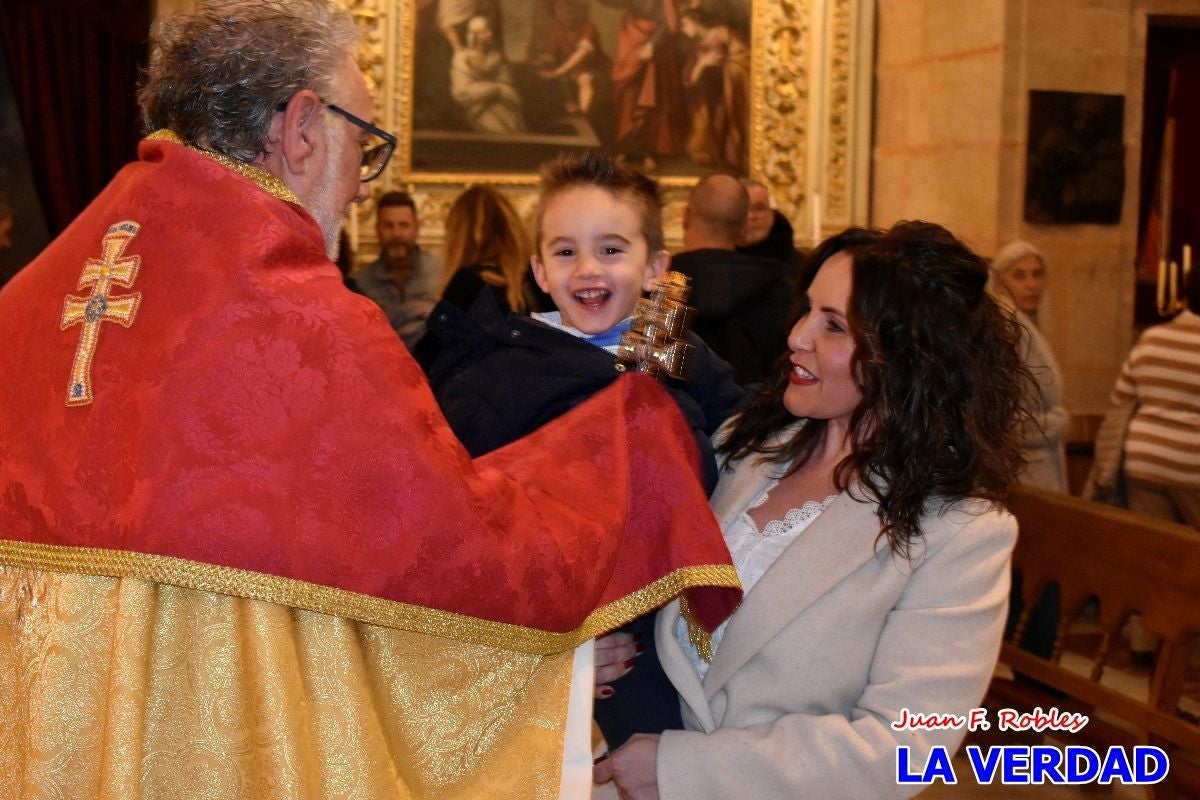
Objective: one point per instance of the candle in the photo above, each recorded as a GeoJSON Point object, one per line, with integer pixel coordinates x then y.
{"type": "Point", "coordinates": [1174, 269]}
{"type": "Point", "coordinates": [1187, 260]}
{"type": "Point", "coordinates": [815, 200]}
{"type": "Point", "coordinates": [1162, 285]}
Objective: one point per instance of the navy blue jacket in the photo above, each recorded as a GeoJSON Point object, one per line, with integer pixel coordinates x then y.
{"type": "Point", "coordinates": [499, 376]}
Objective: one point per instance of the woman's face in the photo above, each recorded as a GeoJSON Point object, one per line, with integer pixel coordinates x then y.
{"type": "Point", "coordinates": [820, 384]}
{"type": "Point", "coordinates": [1025, 281]}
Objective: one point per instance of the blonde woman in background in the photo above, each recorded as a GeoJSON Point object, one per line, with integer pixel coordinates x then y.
{"type": "Point", "coordinates": [487, 246]}
{"type": "Point", "coordinates": [1019, 281]}
{"type": "Point", "coordinates": [487, 250]}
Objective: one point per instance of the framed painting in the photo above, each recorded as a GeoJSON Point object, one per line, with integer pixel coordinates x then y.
{"type": "Point", "coordinates": [1075, 158]}
{"type": "Point", "coordinates": [499, 86]}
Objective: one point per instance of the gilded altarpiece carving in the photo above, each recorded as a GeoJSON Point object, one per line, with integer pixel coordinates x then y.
{"type": "Point", "coordinates": [809, 117]}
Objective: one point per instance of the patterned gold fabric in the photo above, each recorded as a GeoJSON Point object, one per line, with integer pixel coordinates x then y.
{"type": "Point", "coordinates": [363, 608]}
{"type": "Point", "coordinates": [126, 688]}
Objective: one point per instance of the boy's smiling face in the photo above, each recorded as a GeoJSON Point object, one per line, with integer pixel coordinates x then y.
{"type": "Point", "coordinates": [592, 258]}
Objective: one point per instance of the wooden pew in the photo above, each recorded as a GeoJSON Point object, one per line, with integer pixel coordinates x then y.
{"type": "Point", "coordinates": [1129, 563]}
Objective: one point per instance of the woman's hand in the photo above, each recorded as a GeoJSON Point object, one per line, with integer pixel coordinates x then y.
{"type": "Point", "coordinates": [633, 767]}
{"type": "Point", "coordinates": [614, 657]}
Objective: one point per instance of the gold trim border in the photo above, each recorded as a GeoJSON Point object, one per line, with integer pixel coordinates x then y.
{"type": "Point", "coordinates": [360, 607]}
{"type": "Point", "coordinates": [263, 179]}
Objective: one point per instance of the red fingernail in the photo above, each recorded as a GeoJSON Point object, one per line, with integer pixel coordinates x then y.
{"type": "Point", "coordinates": [629, 663]}
{"type": "Point", "coordinates": [639, 647]}
{"type": "Point", "coordinates": [606, 692]}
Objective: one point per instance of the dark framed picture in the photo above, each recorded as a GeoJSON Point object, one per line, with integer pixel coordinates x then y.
{"type": "Point", "coordinates": [1075, 168]}
{"type": "Point", "coordinates": [499, 86]}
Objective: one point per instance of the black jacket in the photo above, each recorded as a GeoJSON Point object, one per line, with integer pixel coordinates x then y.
{"type": "Point", "coordinates": [742, 305]}
{"type": "Point", "coordinates": [779, 244]}
{"type": "Point", "coordinates": [499, 376]}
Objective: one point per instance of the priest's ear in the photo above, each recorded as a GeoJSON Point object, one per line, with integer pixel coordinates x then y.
{"type": "Point", "coordinates": [294, 135]}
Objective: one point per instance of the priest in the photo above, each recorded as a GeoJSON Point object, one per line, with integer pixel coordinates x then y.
{"type": "Point", "coordinates": [241, 553]}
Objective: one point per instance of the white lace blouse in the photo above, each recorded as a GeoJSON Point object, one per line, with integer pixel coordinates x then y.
{"type": "Point", "coordinates": [753, 553]}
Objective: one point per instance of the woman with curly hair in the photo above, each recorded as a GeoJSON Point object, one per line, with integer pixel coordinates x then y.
{"type": "Point", "coordinates": [861, 499]}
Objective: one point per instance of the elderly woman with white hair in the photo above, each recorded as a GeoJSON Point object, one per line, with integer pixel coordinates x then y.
{"type": "Point", "coordinates": [1019, 281]}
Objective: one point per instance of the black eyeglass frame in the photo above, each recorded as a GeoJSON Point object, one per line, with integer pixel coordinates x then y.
{"type": "Point", "coordinates": [389, 141]}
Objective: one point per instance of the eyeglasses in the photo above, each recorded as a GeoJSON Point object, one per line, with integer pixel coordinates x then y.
{"type": "Point", "coordinates": [374, 156]}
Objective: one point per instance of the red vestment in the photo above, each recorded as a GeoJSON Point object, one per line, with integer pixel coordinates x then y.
{"type": "Point", "coordinates": [257, 415]}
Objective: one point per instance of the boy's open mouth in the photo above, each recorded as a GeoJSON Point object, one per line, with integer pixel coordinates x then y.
{"type": "Point", "coordinates": [592, 298]}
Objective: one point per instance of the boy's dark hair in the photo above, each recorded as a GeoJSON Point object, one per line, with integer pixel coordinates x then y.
{"type": "Point", "coordinates": [594, 168]}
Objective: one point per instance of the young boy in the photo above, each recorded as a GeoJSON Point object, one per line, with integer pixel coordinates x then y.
{"type": "Point", "coordinates": [500, 376]}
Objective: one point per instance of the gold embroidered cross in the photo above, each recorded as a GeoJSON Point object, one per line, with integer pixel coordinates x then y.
{"type": "Point", "coordinates": [100, 274]}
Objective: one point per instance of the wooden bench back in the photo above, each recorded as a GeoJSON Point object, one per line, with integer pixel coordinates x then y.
{"type": "Point", "coordinates": [1130, 563]}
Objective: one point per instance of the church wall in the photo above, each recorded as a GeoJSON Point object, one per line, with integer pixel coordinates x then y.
{"type": "Point", "coordinates": [939, 70]}
{"type": "Point", "coordinates": [962, 160]}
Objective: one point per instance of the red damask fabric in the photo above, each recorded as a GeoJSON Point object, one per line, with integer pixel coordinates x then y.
{"type": "Point", "coordinates": [258, 415]}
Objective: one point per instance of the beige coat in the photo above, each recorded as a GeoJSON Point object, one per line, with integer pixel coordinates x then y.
{"type": "Point", "coordinates": [834, 640]}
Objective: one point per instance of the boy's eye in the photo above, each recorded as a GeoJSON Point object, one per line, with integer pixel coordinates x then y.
{"type": "Point", "coordinates": [564, 252]}
{"type": "Point", "coordinates": [610, 250]}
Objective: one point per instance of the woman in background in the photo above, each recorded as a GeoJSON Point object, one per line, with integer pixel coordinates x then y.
{"type": "Point", "coordinates": [487, 246]}
{"type": "Point", "coordinates": [487, 249]}
{"type": "Point", "coordinates": [1019, 281]}
{"type": "Point", "coordinates": [1151, 433]}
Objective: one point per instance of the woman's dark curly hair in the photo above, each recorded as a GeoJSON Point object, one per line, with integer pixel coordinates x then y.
{"type": "Point", "coordinates": [938, 362]}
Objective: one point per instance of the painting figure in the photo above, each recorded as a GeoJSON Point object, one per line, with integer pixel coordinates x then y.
{"type": "Point", "coordinates": [454, 15]}
{"type": "Point", "coordinates": [717, 81]}
{"type": "Point", "coordinates": [572, 55]}
{"type": "Point", "coordinates": [645, 82]}
{"type": "Point", "coordinates": [481, 82]}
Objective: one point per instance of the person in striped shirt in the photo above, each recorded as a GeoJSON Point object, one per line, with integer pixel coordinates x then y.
{"type": "Point", "coordinates": [1154, 420]}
